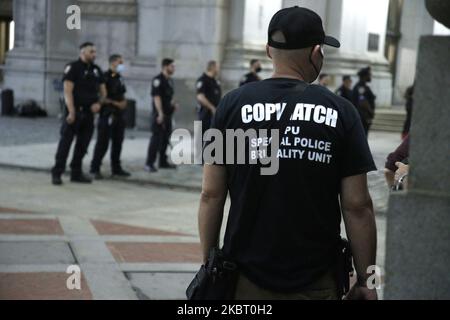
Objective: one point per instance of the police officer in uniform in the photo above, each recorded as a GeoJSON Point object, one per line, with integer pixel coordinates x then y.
{"type": "Point", "coordinates": [252, 76]}
{"type": "Point", "coordinates": [324, 80]}
{"type": "Point", "coordinates": [84, 93]}
{"type": "Point", "coordinates": [283, 230]}
{"type": "Point", "coordinates": [209, 93]}
{"type": "Point", "coordinates": [364, 99]}
{"type": "Point", "coordinates": [345, 90]}
{"type": "Point", "coordinates": [111, 123]}
{"type": "Point", "coordinates": [163, 109]}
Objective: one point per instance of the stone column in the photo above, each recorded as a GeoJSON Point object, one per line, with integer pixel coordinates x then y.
{"type": "Point", "coordinates": [193, 32]}
{"type": "Point", "coordinates": [61, 47]}
{"type": "Point", "coordinates": [415, 22]}
{"type": "Point", "coordinates": [25, 64]}
{"type": "Point", "coordinates": [247, 37]}
{"type": "Point", "coordinates": [43, 45]}
{"type": "Point", "coordinates": [352, 22]}
{"type": "Point", "coordinates": [418, 221]}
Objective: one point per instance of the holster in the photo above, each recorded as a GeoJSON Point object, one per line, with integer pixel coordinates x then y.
{"type": "Point", "coordinates": [216, 280]}
{"type": "Point", "coordinates": [344, 268]}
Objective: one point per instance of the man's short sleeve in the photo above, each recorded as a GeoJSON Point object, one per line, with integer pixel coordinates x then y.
{"type": "Point", "coordinates": [356, 156]}
{"type": "Point", "coordinates": [399, 155]}
{"type": "Point", "coordinates": [201, 86]}
{"type": "Point", "coordinates": [156, 87]}
{"type": "Point", "coordinates": [101, 76]}
{"type": "Point", "coordinates": [243, 81]}
{"type": "Point", "coordinates": [69, 73]}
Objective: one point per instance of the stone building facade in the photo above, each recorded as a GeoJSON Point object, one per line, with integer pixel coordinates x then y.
{"type": "Point", "coordinates": [195, 31]}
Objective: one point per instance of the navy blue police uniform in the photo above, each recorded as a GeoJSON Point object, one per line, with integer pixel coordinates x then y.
{"type": "Point", "coordinates": [164, 88]}
{"type": "Point", "coordinates": [87, 78]}
{"type": "Point", "coordinates": [364, 101]}
{"type": "Point", "coordinates": [111, 125]}
{"type": "Point", "coordinates": [212, 90]}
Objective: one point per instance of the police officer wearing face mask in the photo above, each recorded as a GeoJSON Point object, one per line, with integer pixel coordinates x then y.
{"type": "Point", "coordinates": [84, 93]}
{"type": "Point", "coordinates": [209, 93]}
{"type": "Point", "coordinates": [345, 90]}
{"type": "Point", "coordinates": [163, 108]}
{"type": "Point", "coordinates": [252, 76]}
{"type": "Point", "coordinates": [364, 99]}
{"type": "Point", "coordinates": [283, 230]}
{"type": "Point", "coordinates": [111, 123]}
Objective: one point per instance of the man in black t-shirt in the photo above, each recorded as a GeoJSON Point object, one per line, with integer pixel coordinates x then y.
{"type": "Point", "coordinates": [111, 123]}
{"type": "Point", "coordinates": [252, 76]}
{"type": "Point", "coordinates": [209, 93]}
{"type": "Point", "coordinates": [163, 109]}
{"type": "Point", "coordinates": [84, 93]}
{"type": "Point", "coordinates": [283, 230]}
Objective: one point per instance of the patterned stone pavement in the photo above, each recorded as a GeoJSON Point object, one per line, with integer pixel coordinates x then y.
{"type": "Point", "coordinates": [133, 239]}
{"type": "Point", "coordinates": [117, 261]}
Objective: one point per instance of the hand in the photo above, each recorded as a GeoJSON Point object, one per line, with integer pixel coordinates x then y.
{"type": "Point", "coordinates": [213, 112]}
{"type": "Point", "coordinates": [358, 292]}
{"type": "Point", "coordinates": [402, 171]}
{"type": "Point", "coordinates": [160, 119]}
{"type": "Point", "coordinates": [71, 118]}
{"type": "Point", "coordinates": [95, 108]}
{"type": "Point", "coordinates": [176, 106]}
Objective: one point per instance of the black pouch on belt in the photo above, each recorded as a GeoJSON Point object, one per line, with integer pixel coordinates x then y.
{"type": "Point", "coordinates": [344, 267]}
{"type": "Point", "coordinates": [216, 280]}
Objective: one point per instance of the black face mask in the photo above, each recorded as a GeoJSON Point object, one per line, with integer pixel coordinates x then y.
{"type": "Point", "coordinates": [258, 70]}
{"type": "Point", "coordinates": [314, 66]}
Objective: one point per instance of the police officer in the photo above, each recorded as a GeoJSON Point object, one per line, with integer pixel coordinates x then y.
{"type": "Point", "coordinates": [283, 230]}
{"type": "Point", "coordinates": [324, 80]}
{"type": "Point", "coordinates": [111, 123]}
{"type": "Point", "coordinates": [163, 109]}
{"type": "Point", "coordinates": [364, 99]}
{"type": "Point", "coordinates": [252, 76]}
{"type": "Point", "coordinates": [209, 93]}
{"type": "Point", "coordinates": [345, 90]}
{"type": "Point", "coordinates": [84, 93]}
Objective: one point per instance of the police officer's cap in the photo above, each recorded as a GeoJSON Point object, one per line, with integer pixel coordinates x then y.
{"type": "Point", "coordinates": [301, 27]}
{"type": "Point", "coordinates": [364, 72]}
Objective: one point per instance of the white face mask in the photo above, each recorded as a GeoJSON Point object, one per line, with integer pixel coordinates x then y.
{"type": "Point", "coordinates": [120, 68]}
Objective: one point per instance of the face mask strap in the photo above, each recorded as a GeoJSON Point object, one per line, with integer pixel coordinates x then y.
{"type": "Point", "coordinates": [310, 60]}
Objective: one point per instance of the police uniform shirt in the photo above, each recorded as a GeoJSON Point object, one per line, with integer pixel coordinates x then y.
{"type": "Point", "coordinates": [115, 87]}
{"type": "Point", "coordinates": [283, 229]}
{"type": "Point", "coordinates": [343, 92]}
{"type": "Point", "coordinates": [362, 92]}
{"type": "Point", "coordinates": [87, 79]}
{"type": "Point", "coordinates": [210, 87]}
{"type": "Point", "coordinates": [164, 88]}
{"type": "Point", "coordinates": [248, 78]}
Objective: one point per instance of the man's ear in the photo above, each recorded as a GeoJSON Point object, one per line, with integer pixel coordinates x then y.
{"type": "Point", "coordinates": [268, 51]}
{"type": "Point", "coordinates": [318, 50]}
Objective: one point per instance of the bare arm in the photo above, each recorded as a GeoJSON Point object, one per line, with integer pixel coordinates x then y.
{"type": "Point", "coordinates": [121, 105]}
{"type": "Point", "coordinates": [205, 102]}
{"type": "Point", "coordinates": [103, 93]}
{"type": "Point", "coordinates": [210, 213]}
{"type": "Point", "coordinates": [68, 95]}
{"type": "Point", "coordinates": [360, 224]}
{"type": "Point", "coordinates": [158, 105]}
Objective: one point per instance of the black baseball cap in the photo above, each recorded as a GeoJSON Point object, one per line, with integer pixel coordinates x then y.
{"type": "Point", "coordinates": [301, 27]}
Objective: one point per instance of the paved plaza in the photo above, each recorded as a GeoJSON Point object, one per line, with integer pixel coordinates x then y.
{"type": "Point", "coordinates": [132, 239]}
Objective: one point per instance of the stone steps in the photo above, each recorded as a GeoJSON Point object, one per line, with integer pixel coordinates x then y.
{"type": "Point", "coordinates": [390, 120]}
